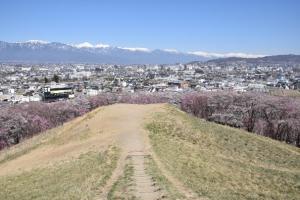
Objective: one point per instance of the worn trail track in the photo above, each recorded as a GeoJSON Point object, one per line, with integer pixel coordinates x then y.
{"type": "Point", "coordinates": [145, 186]}
{"type": "Point", "coordinates": [134, 143]}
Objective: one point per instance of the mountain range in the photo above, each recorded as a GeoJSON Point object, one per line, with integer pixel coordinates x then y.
{"type": "Point", "coordinates": [55, 52]}
{"type": "Point", "coordinates": [36, 51]}
{"type": "Point", "coordinates": [277, 59]}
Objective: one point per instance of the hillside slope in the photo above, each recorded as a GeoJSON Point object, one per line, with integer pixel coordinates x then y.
{"type": "Point", "coordinates": [219, 162]}
{"type": "Point", "coordinates": [277, 59]}
{"type": "Point", "coordinates": [148, 152]}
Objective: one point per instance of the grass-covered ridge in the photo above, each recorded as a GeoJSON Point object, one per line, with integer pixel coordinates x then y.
{"type": "Point", "coordinates": [219, 162]}
{"type": "Point", "coordinates": [79, 178]}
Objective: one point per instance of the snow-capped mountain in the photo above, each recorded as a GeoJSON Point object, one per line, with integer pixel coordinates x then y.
{"type": "Point", "coordinates": [55, 52]}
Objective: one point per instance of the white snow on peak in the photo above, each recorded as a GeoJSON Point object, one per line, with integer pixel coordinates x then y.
{"type": "Point", "coordinates": [37, 42]}
{"type": "Point", "coordinates": [84, 45]}
{"type": "Point", "coordinates": [135, 49]}
{"type": "Point", "coordinates": [89, 45]}
{"type": "Point", "coordinates": [102, 46]}
{"type": "Point", "coordinates": [171, 50]}
{"type": "Point", "coordinates": [225, 55]}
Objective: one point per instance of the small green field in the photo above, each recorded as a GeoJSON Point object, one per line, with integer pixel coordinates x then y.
{"type": "Point", "coordinates": [219, 162]}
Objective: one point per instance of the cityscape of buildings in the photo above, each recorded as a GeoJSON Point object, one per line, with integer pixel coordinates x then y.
{"type": "Point", "coordinates": [46, 82]}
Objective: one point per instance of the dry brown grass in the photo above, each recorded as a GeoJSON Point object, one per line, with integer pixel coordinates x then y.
{"type": "Point", "coordinates": [68, 162]}
{"type": "Point", "coordinates": [77, 178]}
{"type": "Point", "coordinates": [29, 164]}
{"type": "Point", "coordinates": [285, 93]}
{"type": "Point", "coordinates": [219, 162]}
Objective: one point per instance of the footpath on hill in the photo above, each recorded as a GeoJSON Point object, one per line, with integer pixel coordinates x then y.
{"type": "Point", "coordinates": [127, 121]}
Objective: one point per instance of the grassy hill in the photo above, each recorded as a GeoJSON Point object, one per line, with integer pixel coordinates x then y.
{"type": "Point", "coordinates": [108, 150]}
{"type": "Point", "coordinates": [219, 162]}
{"type": "Point", "coordinates": [67, 162]}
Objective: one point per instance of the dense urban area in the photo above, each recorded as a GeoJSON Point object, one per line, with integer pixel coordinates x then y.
{"type": "Point", "coordinates": [37, 82]}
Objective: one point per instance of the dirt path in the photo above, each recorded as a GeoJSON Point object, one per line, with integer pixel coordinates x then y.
{"type": "Point", "coordinates": [128, 121]}
{"type": "Point", "coordinates": [145, 187]}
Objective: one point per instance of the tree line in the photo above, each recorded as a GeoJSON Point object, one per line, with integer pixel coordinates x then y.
{"type": "Point", "coordinates": [271, 116]}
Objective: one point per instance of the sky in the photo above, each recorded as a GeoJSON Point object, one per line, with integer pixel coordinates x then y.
{"type": "Point", "coordinates": [266, 27]}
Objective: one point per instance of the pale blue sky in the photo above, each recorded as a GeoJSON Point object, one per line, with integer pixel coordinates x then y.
{"type": "Point", "coordinates": [249, 26]}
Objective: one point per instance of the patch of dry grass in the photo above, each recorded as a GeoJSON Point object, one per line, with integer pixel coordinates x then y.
{"type": "Point", "coordinates": [152, 169]}
{"type": "Point", "coordinates": [284, 93]}
{"type": "Point", "coordinates": [68, 132]}
{"type": "Point", "coordinates": [219, 162]}
{"type": "Point", "coordinates": [78, 178]}
{"type": "Point", "coordinates": [71, 161]}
